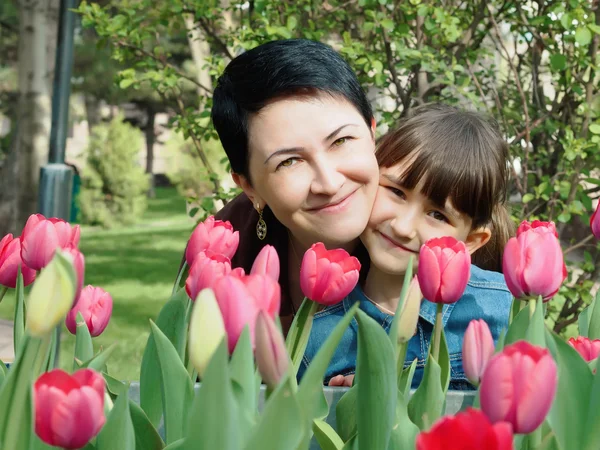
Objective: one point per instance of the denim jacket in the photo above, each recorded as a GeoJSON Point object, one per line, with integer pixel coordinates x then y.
{"type": "Point", "coordinates": [486, 297]}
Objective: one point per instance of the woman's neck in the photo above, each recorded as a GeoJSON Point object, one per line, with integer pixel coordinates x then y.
{"type": "Point", "coordinates": [383, 288]}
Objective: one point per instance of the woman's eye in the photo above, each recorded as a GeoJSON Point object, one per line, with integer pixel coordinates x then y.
{"type": "Point", "coordinates": [287, 163]}
{"type": "Point", "coordinates": [340, 141]}
{"type": "Point", "coordinates": [439, 216]}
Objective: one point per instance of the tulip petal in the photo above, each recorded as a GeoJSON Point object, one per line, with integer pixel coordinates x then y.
{"type": "Point", "coordinates": [497, 390]}
{"type": "Point", "coordinates": [455, 277]}
{"type": "Point", "coordinates": [512, 267]}
{"type": "Point", "coordinates": [429, 274]}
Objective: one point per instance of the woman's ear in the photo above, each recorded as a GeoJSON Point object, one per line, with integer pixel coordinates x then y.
{"type": "Point", "coordinates": [373, 126]}
{"type": "Point", "coordinates": [477, 239]}
{"type": "Point", "coordinates": [245, 185]}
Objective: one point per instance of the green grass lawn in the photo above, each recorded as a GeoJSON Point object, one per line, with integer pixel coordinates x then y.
{"type": "Point", "coordinates": [137, 265]}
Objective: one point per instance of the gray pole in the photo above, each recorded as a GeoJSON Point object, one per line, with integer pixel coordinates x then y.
{"type": "Point", "coordinates": [56, 178]}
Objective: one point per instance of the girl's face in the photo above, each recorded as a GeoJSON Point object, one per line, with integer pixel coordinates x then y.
{"type": "Point", "coordinates": [403, 219]}
{"type": "Point", "coordinates": [312, 161]}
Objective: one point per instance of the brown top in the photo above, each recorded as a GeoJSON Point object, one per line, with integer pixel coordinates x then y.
{"type": "Point", "coordinates": [243, 217]}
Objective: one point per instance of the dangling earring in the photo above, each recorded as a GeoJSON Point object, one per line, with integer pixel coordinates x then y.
{"type": "Point", "coordinates": [261, 225]}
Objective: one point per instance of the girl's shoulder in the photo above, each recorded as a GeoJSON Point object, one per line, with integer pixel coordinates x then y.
{"type": "Point", "coordinates": [487, 279]}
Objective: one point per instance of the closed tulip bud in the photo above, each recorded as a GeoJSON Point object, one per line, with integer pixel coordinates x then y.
{"type": "Point", "coordinates": [595, 222]}
{"type": "Point", "coordinates": [533, 264]}
{"type": "Point", "coordinates": [79, 264]}
{"type": "Point", "coordinates": [518, 386]}
{"type": "Point", "coordinates": [409, 316]}
{"type": "Point", "coordinates": [69, 409]}
{"type": "Point", "coordinates": [265, 291]}
{"type": "Point", "coordinates": [550, 227]}
{"type": "Point", "coordinates": [207, 268]}
{"type": "Point", "coordinates": [327, 276]}
{"type": "Point", "coordinates": [41, 238]}
{"type": "Point", "coordinates": [95, 305]}
{"type": "Point", "coordinates": [10, 260]}
{"type": "Point", "coordinates": [214, 235]}
{"type": "Point", "coordinates": [52, 295]}
{"type": "Point", "coordinates": [267, 263]}
{"type": "Point", "coordinates": [588, 349]}
{"type": "Point", "coordinates": [467, 430]}
{"type": "Point", "coordinates": [207, 330]}
{"type": "Point", "coordinates": [444, 269]}
{"type": "Point", "coordinates": [271, 356]}
{"type": "Point", "coordinates": [478, 348]}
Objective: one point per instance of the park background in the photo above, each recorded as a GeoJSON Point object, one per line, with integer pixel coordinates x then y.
{"type": "Point", "coordinates": [149, 164]}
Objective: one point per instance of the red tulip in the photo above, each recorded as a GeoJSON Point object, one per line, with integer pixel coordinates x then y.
{"type": "Point", "coordinates": [444, 269]}
{"type": "Point", "coordinates": [95, 305]}
{"type": "Point", "coordinates": [207, 268]}
{"type": "Point", "coordinates": [271, 356]}
{"type": "Point", "coordinates": [467, 430]}
{"type": "Point", "coordinates": [327, 276]}
{"type": "Point", "coordinates": [595, 222]}
{"type": "Point", "coordinates": [587, 348]}
{"type": "Point", "coordinates": [69, 409]}
{"type": "Point", "coordinates": [478, 348]}
{"type": "Point", "coordinates": [548, 226]}
{"type": "Point", "coordinates": [79, 264]}
{"type": "Point", "coordinates": [41, 237]}
{"type": "Point", "coordinates": [10, 260]}
{"type": "Point", "coordinates": [267, 263]}
{"type": "Point", "coordinates": [518, 386]}
{"type": "Point", "coordinates": [214, 235]}
{"type": "Point", "coordinates": [533, 264]}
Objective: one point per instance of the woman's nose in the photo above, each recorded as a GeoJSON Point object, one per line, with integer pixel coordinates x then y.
{"type": "Point", "coordinates": [327, 179]}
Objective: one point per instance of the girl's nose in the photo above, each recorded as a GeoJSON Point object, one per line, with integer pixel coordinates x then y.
{"type": "Point", "coordinates": [404, 224]}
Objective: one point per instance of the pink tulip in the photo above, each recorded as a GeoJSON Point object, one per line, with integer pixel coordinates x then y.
{"type": "Point", "coordinates": [69, 409]}
{"type": "Point", "coordinates": [478, 348]}
{"type": "Point", "coordinates": [327, 276]}
{"type": "Point", "coordinates": [271, 356]}
{"type": "Point", "coordinates": [214, 235]}
{"type": "Point", "coordinates": [10, 260]}
{"type": "Point", "coordinates": [595, 222]}
{"type": "Point", "coordinates": [267, 263]}
{"type": "Point", "coordinates": [240, 300]}
{"type": "Point", "coordinates": [95, 305]}
{"type": "Point", "coordinates": [533, 264]}
{"type": "Point", "coordinates": [41, 237]}
{"type": "Point", "coordinates": [79, 264]}
{"type": "Point", "coordinates": [444, 269]}
{"type": "Point", "coordinates": [518, 386]}
{"type": "Point", "coordinates": [548, 226]}
{"type": "Point", "coordinates": [207, 268]}
{"type": "Point", "coordinates": [587, 348]}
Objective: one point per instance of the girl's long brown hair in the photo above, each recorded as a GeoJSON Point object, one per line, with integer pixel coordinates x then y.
{"type": "Point", "coordinates": [457, 155]}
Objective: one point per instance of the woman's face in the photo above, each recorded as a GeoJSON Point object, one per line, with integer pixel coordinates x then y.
{"type": "Point", "coordinates": [312, 162]}
{"type": "Point", "coordinates": [403, 219]}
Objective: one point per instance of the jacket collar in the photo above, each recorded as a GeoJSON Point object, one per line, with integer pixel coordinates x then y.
{"type": "Point", "coordinates": [428, 311]}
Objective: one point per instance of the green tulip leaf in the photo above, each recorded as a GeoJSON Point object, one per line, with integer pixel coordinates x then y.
{"type": "Point", "coordinates": [172, 322]}
{"type": "Point", "coordinates": [345, 414]}
{"type": "Point", "coordinates": [570, 406]}
{"type": "Point", "coordinates": [593, 331]}
{"type": "Point", "coordinates": [583, 321]}
{"type": "Point", "coordinates": [213, 421]}
{"type": "Point", "coordinates": [177, 445]}
{"type": "Point", "coordinates": [299, 331]}
{"type": "Point", "coordinates": [393, 336]}
{"type": "Point", "coordinates": [118, 430]}
{"type": "Point", "coordinates": [591, 438]}
{"type": "Point", "coordinates": [405, 380]}
{"type": "Point", "coordinates": [98, 362]}
{"type": "Point", "coordinates": [517, 330]}
{"type": "Point", "coordinates": [280, 424]}
{"type": "Point", "coordinates": [84, 349]}
{"type": "Point", "coordinates": [176, 386]}
{"type": "Point", "coordinates": [114, 386]}
{"type": "Point", "coordinates": [515, 309]}
{"type": "Point", "coordinates": [444, 362]}
{"type": "Point", "coordinates": [404, 431]}
{"type": "Point", "coordinates": [427, 403]}
{"type": "Point", "coordinates": [146, 436]}
{"type": "Point", "coordinates": [242, 371]}
{"type": "Point", "coordinates": [352, 443]}
{"type": "Point", "coordinates": [19, 322]}
{"type": "Point", "coordinates": [3, 373]}
{"type": "Point", "coordinates": [16, 414]}
{"type": "Point", "coordinates": [326, 436]}
{"type": "Point", "coordinates": [377, 384]}
{"type": "Point", "coordinates": [536, 329]}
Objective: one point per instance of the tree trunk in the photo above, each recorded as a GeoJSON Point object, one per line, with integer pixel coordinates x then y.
{"type": "Point", "coordinates": [200, 50]}
{"type": "Point", "coordinates": [150, 138]}
{"type": "Point", "coordinates": [92, 110]}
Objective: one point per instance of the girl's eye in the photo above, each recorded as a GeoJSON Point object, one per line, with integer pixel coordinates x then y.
{"type": "Point", "coordinates": [396, 191]}
{"type": "Point", "coordinates": [287, 163]}
{"type": "Point", "coordinates": [439, 216]}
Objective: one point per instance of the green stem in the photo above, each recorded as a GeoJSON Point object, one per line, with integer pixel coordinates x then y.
{"type": "Point", "coordinates": [3, 291]}
{"type": "Point", "coordinates": [531, 308]}
{"type": "Point", "coordinates": [437, 331]}
{"type": "Point", "coordinates": [178, 280]}
{"type": "Point", "coordinates": [402, 349]}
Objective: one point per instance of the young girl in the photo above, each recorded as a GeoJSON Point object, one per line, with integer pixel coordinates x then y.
{"type": "Point", "coordinates": [443, 172]}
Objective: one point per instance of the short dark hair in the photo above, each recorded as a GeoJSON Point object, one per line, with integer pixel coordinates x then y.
{"type": "Point", "coordinates": [457, 155]}
{"type": "Point", "coordinates": [275, 70]}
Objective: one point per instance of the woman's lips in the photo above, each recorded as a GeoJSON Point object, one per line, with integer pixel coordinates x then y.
{"type": "Point", "coordinates": [334, 207]}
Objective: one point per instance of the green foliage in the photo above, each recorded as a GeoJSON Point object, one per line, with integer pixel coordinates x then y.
{"type": "Point", "coordinates": [114, 185]}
